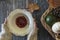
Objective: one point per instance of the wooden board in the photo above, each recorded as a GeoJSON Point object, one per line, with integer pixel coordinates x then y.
{"type": "Point", "coordinates": [7, 7]}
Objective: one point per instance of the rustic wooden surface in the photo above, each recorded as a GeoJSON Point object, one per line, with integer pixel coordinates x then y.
{"type": "Point", "coordinates": [7, 6]}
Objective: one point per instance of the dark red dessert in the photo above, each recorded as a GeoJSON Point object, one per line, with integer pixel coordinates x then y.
{"type": "Point", "coordinates": [21, 21]}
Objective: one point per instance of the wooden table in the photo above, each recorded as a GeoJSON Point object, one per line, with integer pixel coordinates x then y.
{"type": "Point", "coordinates": [6, 7]}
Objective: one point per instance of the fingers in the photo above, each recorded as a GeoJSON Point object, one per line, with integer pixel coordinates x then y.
{"type": "Point", "coordinates": [33, 31]}
{"type": "Point", "coordinates": [2, 30]}
{"type": "Point", "coordinates": [5, 21]}
{"type": "Point", "coordinates": [35, 23]}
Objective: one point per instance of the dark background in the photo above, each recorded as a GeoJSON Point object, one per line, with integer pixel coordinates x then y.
{"type": "Point", "coordinates": [6, 6]}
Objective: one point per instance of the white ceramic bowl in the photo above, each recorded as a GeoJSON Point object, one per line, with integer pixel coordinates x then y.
{"type": "Point", "coordinates": [12, 25]}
